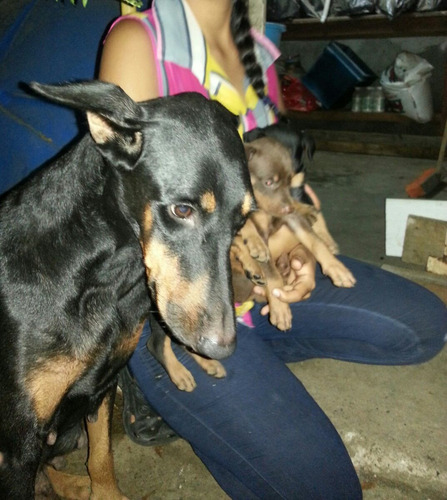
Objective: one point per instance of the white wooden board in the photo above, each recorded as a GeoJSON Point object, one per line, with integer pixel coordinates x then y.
{"type": "Point", "coordinates": [396, 215]}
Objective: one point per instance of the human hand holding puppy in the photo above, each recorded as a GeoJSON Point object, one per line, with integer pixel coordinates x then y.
{"type": "Point", "coordinates": [301, 278]}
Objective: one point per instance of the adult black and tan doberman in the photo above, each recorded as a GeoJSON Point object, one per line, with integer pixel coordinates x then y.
{"type": "Point", "coordinates": [136, 219]}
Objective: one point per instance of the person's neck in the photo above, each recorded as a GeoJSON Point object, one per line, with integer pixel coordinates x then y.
{"type": "Point", "coordinates": [213, 17]}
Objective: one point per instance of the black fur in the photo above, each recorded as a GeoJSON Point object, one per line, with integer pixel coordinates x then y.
{"type": "Point", "coordinates": [73, 284]}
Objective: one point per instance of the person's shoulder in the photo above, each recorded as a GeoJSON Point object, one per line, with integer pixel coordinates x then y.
{"type": "Point", "coordinates": [128, 31]}
{"type": "Point", "coordinates": [128, 59]}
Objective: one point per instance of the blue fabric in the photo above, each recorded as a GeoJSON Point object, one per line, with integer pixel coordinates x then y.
{"type": "Point", "coordinates": [258, 431]}
{"type": "Point", "coordinates": [49, 42]}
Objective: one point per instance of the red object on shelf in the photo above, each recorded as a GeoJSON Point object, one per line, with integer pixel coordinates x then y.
{"type": "Point", "coordinates": [295, 95]}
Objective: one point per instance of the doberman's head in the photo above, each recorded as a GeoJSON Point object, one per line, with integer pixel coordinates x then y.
{"type": "Point", "coordinates": [184, 183]}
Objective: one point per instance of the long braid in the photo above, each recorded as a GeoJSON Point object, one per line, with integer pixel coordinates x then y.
{"type": "Point", "coordinates": [240, 27]}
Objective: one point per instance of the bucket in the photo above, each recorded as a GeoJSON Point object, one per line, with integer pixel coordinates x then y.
{"type": "Point", "coordinates": [274, 31]}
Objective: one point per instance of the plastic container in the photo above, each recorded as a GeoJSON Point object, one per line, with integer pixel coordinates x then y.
{"type": "Point", "coordinates": [274, 31]}
{"type": "Point", "coordinates": [335, 74]}
{"type": "Point", "coordinates": [407, 88]}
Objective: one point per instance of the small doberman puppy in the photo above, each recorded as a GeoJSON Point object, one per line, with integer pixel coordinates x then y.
{"type": "Point", "coordinates": [274, 175]}
{"type": "Point", "coordinates": [137, 218]}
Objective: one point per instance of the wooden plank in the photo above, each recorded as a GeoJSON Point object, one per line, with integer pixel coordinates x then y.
{"type": "Point", "coordinates": [379, 149]}
{"type": "Point", "coordinates": [344, 115]}
{"type": "Point", "coordinates": [372, 26]}
{"type": "Point", "coordinates": [436, 265]}
{"type": "Point", "coordinates": [397, 211]}
{"type": "Point", "coordinates": [424, 238]}
{"type": "Point", "coordinates": [402, 145]}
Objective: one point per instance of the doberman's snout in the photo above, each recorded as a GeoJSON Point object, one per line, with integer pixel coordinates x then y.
{"type": "Point", "coordinates": [215, 349]}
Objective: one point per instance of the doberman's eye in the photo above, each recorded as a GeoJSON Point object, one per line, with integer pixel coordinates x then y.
{"type": "Point", "coordinates": [181, 211]}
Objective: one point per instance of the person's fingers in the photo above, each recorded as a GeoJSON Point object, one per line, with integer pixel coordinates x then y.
{"type": "Point", "coordinates": [313, 196]}
{"type": "Point", "coordinates": [265, 310]}
{"type": "Point", "coordinates": [300, 291]}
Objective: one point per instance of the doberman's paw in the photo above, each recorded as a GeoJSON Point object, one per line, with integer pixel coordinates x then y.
{"type": "Point", "coordinates": [109, 495]}
{"type": "Point", "coordinates": [183, 378]}
{"type": "Point", "coordinates": [68, 486]}
{"type": "Point", "coordinates": [215, 369]}
{"type": "Point", "coordinates": [211, 366]}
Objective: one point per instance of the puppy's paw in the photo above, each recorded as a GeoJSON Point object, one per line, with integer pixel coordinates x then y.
{"type": "Point", "coordinates": [280, 315]}
{"type": "Point", "coordinates": [340, 275]}
{"type": "Point", "coordinates": [258, 249]}
{"type": "Point", "coordinates": [254, 274]}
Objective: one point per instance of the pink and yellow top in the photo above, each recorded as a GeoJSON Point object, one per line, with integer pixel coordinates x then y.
{"type": "Point", "coordinates": [184, 63]}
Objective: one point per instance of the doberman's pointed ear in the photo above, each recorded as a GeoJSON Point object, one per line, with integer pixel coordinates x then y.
{"type": "Point", "coordinates": [115, 120]}
{"type": "Point", "coordinates": [122, 147]}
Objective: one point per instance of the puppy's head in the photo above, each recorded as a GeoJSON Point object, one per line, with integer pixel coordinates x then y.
{"type": "Point", "coordinates": [179, 174]}
{"type": "Point", "coordinates": [271, 172]}
{"type": "Point", "coordinates": [301, 147]}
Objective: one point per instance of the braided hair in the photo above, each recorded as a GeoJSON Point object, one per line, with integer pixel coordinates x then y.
{"type": "Point", "coordinates": [240, 28]}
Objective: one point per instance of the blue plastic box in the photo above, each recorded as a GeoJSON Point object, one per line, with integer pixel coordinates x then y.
{"type": "Point", "coordinates": [335, 74]}
{"type": "Point", "coordinates": [274, 31]}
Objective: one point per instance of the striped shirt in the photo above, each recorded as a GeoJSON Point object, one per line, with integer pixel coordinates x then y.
{"type": "Point", "coordinates": [184, 63]}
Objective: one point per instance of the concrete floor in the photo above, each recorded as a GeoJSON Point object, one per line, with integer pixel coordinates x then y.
{"type": "Point", "coordinates": [392, 419]}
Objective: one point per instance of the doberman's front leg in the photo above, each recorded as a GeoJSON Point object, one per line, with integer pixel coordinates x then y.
{"type": "Point", "coordinates": [100, 461]}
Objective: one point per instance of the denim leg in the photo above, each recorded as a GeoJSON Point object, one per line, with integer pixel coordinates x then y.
{"type": "Point", "coordinates": [258, 430]}
{"type": "Point", "coordinates": [384, 319]}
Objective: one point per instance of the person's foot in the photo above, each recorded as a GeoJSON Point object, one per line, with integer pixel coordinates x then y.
{"type": "Point", "coordinates": [141, 422]}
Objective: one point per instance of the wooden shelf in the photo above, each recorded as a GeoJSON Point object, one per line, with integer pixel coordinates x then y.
{"type": "Point", "coordinates": [347, 115]}
{"type": "Point", "coordinates": [372, 26]}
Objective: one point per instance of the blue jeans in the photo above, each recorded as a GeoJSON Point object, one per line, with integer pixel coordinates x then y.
{"type": "Point", "coordinates": [258, 431]}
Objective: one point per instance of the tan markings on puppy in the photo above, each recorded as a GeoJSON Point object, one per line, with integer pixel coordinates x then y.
{"type": "Point", "coordinates": [248, 204]}
{"type": "Point", "coordinates": [208, 202]}
{"type": "Point", "coordinates": [164, 270]}
{"type": "Point", "coordinates": [297, 180]}
{"type": "Point", "coordinates": [49, 381]}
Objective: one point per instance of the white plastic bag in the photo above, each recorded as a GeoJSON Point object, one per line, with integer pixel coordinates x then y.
{"type": "Point", "coordinates": [407, 87]}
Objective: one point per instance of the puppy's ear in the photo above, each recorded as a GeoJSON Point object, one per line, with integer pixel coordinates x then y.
{"type": "Point", "coordinates": [308, 145]}
{"type": "Point", "coordinates": [250, 151]}
{"type": "Point", "coordinates": [254, 134]}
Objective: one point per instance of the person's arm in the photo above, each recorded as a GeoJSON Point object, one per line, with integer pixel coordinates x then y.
{"type": "Point", "coordinates": [127, 60]}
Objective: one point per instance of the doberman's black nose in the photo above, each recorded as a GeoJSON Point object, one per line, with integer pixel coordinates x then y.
{"type": "Point", "coordinates": [215, 350]}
